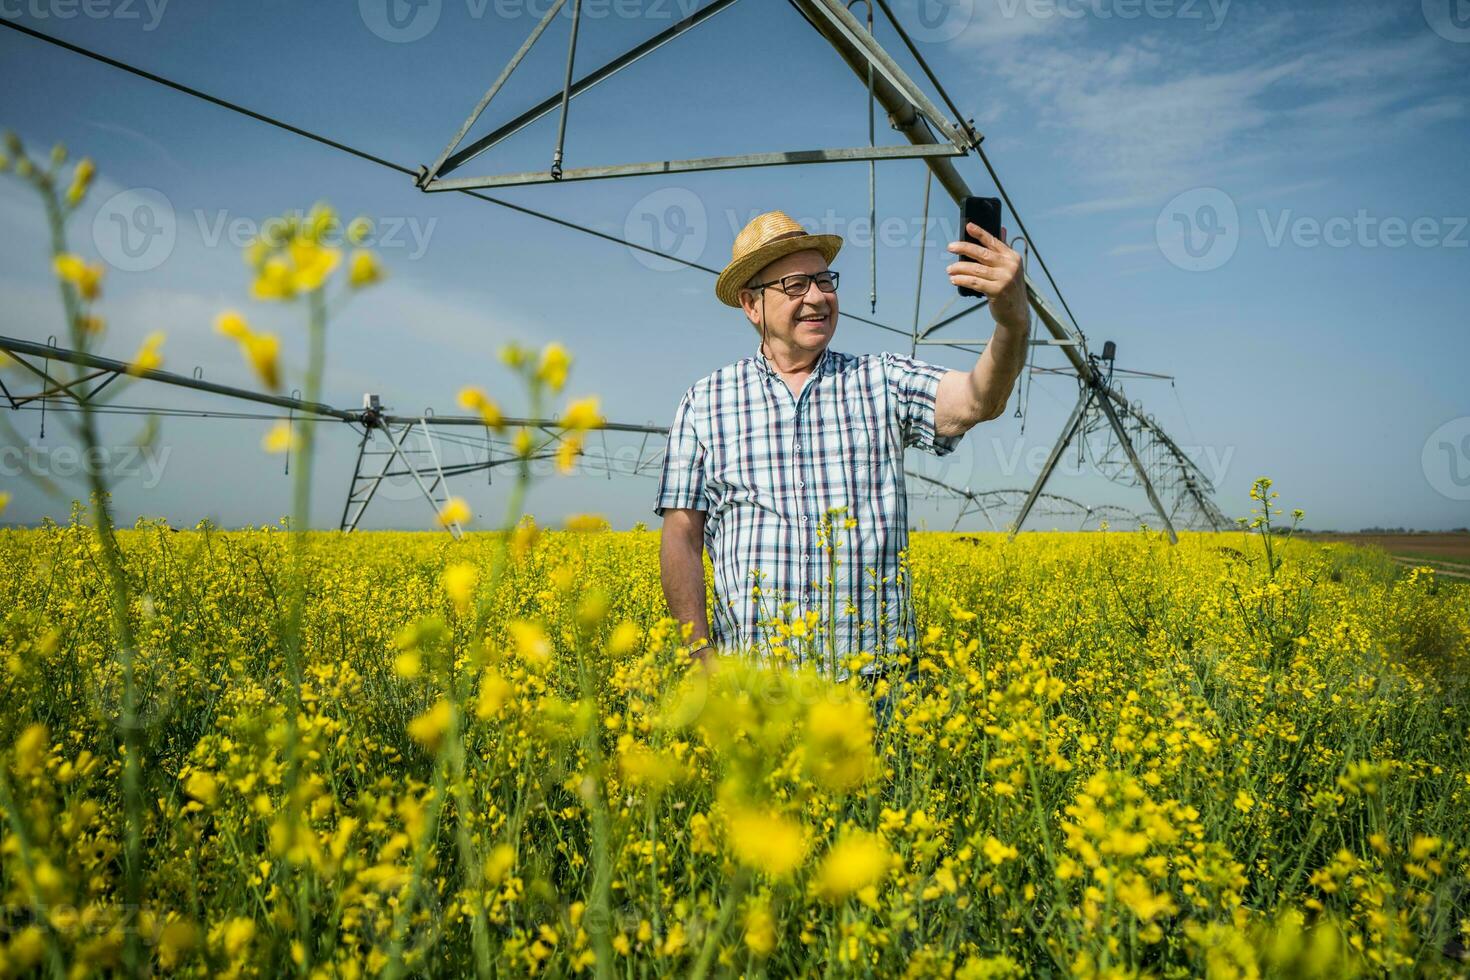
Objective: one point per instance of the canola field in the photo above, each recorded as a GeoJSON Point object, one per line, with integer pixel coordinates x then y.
{"type": "Point", "coordinates": [1229, 757]}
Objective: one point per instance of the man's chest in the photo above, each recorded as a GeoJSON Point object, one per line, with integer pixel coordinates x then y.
{"type": "Point", "coordinates": [822, 446]}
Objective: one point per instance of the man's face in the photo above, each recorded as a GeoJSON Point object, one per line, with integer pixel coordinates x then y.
{"type": "Point", "coordinates": [806, 322]}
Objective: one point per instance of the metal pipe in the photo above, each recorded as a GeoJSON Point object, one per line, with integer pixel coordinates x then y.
{"type": "Point", "coordinates": [15, 345]}
{"type": "Point", "coordinates": [779, 158]}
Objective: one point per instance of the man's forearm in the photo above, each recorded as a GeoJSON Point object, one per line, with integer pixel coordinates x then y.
{"type": "Point", "coordinates": [683, 581]}
{"type": "Point", "coordinates": [995, 373]}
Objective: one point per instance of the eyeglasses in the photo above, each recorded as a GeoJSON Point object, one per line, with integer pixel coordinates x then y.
{"type": "Point", "coordinates": [798, 283]}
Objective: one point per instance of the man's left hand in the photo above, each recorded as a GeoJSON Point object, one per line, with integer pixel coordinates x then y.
{"type": "Point", "coordinates": [993, 268]}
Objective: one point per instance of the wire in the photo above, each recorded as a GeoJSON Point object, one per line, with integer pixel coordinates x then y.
{"type": "Point", "coordinates": [389, 164]}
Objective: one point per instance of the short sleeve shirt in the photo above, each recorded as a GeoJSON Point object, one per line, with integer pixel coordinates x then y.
{"type": "Point", "coordinates": [766, 465]}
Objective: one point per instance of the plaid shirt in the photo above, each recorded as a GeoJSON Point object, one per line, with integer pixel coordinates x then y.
{"type": "Point", "coordinates": [765, 465]}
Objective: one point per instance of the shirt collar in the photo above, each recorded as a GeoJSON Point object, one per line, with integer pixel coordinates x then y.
{"type": "Point", "coordinates": [764, 363]}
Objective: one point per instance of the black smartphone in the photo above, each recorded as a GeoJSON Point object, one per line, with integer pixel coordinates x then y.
{"type": "Point", "coordinates": [985, 212]}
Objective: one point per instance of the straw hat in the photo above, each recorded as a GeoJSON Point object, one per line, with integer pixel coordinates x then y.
{"type": "Point", "coordinates": [765, 239]}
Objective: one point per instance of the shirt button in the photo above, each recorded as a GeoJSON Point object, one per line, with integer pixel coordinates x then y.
{"type": "Point", "coordinates": [801, 483]}
{"type": "Point", "coordinates": [803, 518]}
{"type": "Point", "coordinates": [803, 557]}
{"type": "Point", "coordinates": [798, 445]}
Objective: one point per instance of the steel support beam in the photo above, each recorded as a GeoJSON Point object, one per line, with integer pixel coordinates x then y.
{"type": "Point", "coordinates": [778, 158]}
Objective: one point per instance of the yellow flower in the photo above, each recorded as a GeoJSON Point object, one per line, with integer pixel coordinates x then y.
{"type": "Point", "coordinates": [81, 179]}
{"type": "Point", "coordinates": [320, 222]}
{"type": "Point", "coordinates": [766, 841]}
{"type": "Point", "coordinates": [147, 358]}
{"type": "Point", "coordinates": [262, 351]}
{"type": "Point", "coordinates": [998, 852]}
{"type": "Point", "coordinates": [531, 642]}
{"type": "Point", "coordinates": [623, 639]}
{"type": "Point", "coordinates": [839, 743]}
{"type": "Point", "coordinates": [428, 728]}
{"type": "Point", "coordinates": [856, 862]}
{"type": "Point", "coordinates": [495, 690]}
{"type": "Point", "coordinates": [232, 325]}
{"type": "Point", "coordinates": [459, 581]}
{"type": "Point", "coordinates": [554, 364]}
{"type": "Point", "coordinates": [522, 443]}
{"type": "Point", "coordinates": [358, 229]}
{"type": "Point", "coordinates": [203, 787]}
{"type": "Point", "coordinates": [408, 664]}
{"type": "Point", "coordinates": [587, 522]}
{"type": "Point", "coordinates": [85, 278]}
{"type": "Point", "coordinates": [455, 511]}
{"type": "Point", "coordinates": [237, 934]}
{"type": "Point", "coordinates": [363, 269]}
{"type": "Point", "coordinates": [513, 355]}
{"type": "Point", "coordinates": [274, 280]}
{"type": "Point", "coordinates": [281, 437]}
{"type": "Point", "coordinates": [311, 264]}
{"type": "Point", "coordinates": [567, 451]}
{"type": "Point", "coordinates": [582, 414]}
{"type": "Point", "coordinates": [4, 500]}
{"type": "Point", "coordinates": [499, 863]}
{"type": "Point", "coordinates": [476, 400]}
{"type": "Point", "coordinates": [760, 930]}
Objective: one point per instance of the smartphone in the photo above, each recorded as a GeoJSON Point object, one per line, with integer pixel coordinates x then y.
{"type": "Point", "coordinates": [985, 212]}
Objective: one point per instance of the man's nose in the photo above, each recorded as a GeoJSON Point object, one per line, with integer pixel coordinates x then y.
{"type": "Point", "coordinates": [815, 297]}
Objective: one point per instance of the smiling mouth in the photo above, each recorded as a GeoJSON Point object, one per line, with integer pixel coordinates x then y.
{"type": "Point", "coordinates": [814, 319]}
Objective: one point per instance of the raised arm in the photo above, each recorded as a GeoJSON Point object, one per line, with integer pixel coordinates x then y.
{"type": "Point", "coordinates": [966, 398]}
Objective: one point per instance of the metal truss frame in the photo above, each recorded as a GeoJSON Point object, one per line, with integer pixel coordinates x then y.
{"type": "Point", "coordinates": [912, 113]}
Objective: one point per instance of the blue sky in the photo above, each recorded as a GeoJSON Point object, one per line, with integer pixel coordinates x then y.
{"type": "Point", "coordinates": [1314, 318]}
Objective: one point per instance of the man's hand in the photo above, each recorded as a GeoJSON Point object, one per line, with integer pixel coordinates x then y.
{"type": "Point", "coordinates": [993, 268]}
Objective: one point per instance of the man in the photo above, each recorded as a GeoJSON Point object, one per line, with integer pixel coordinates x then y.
{"type": "Point", "coordinates": [761, 449]}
